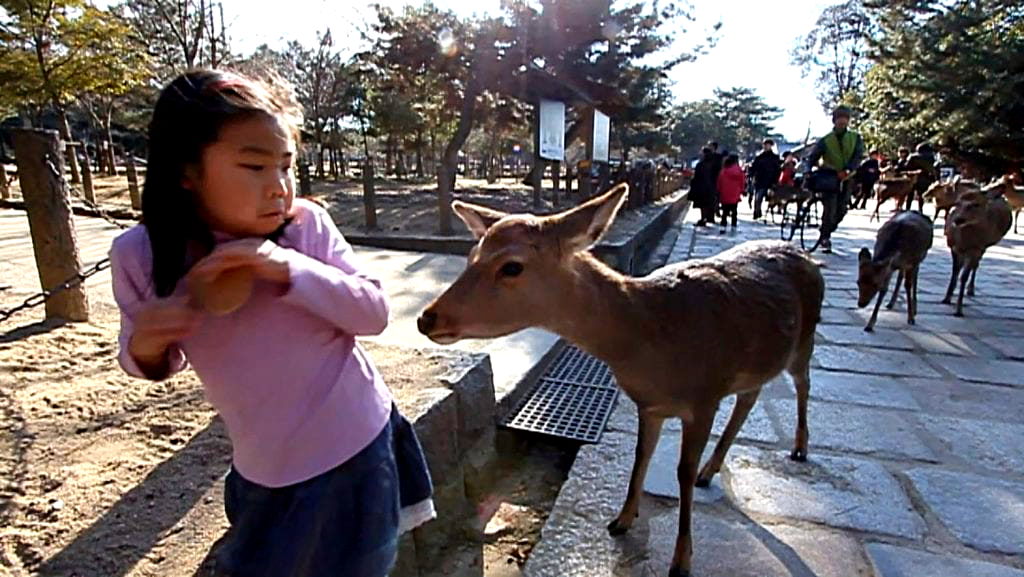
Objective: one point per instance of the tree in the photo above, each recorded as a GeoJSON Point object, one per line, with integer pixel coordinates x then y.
{"type": "Point", "coordinates": [737, 118]}
{"type": "Point", "coordinates": [836, 51]}
{"type": "Point", "coordinates": [695, 124]}
{"type": "Point", "coordinates": [747, 117]}
{"type": "Point", "coordinates": [52, 51]}
{"type": "Point", "coordinates": [952, 71]}
{"type": "Point", "coordinates": [180, 34]}
{"type": "Point", "coordinates": [584, 43]}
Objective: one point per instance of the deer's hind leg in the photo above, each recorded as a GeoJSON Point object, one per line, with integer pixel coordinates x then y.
{"type": "Point", "coordinates": [974, 274]}
{"type": "Point", "coordinates": [895, 293]}
{"type": "Point", "coordinates": [800, 369]}
{"type": "Point", "coordinates": [744, 402]}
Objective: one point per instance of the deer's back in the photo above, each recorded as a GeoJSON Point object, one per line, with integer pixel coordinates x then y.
{"type": "Point", "coordinates": [743, 311]}
{"type": "Point", "coordinates": [908, 235]}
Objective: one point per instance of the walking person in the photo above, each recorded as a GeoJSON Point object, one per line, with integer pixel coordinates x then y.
{"type": "Point", "coordinates": [765, 171]}
{"type": "Point", "coordinates": [840, 153]}
{"type": "Point", "coordinates": [730, 189]}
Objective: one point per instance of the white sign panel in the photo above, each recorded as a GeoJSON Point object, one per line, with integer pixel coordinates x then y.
{"type": "Point", "coordinates": [552, 130]}
{"type": "Point", "coordinates": [602, 130]}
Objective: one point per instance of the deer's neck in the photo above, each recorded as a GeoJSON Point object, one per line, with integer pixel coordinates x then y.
{"type": "Point", "coordinates": [596, 310]}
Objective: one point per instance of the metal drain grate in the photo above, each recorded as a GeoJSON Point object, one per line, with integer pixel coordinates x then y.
{"type": "Point", "coordinates": [573, 399]}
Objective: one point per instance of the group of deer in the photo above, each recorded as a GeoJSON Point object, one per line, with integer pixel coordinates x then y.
{"type": "Point", "coordinates": [977, 217]}
{"type": "Point", "coordinates": [678, 340]}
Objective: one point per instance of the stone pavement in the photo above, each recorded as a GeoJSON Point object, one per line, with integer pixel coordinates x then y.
{"type": "Point", "coordinates": [916, 445]}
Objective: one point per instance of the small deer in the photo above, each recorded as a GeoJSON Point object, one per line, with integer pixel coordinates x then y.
{"type": "Point", "coordinates": [944, 194]}
{"type": "Point", "coordinates": [901, 245]}
{"type": "Point", "coordinates": [1014, 195]}
{"type": "Point", "coordinates": [663, 336]}
{"type": "Point", "coordinates": [893, 185]}
{"type": "Point", "coordinates": [975, 223]}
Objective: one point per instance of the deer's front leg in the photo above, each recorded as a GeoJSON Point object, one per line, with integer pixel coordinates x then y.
{"type": "Point", "coordinates": [695, 437]}
{"type": "Point", "coordinates": [646, 441]}
{"type": "Point", "coordinates": [878, 303]}
{"type": "Point", "coordinates": [957, 265]}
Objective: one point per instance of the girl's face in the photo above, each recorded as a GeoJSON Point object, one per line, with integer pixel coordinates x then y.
{"type": "Point", "coordinates": [245, 185]}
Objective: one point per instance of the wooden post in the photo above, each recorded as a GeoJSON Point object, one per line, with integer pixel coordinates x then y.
{"type": "Point", "coordinates": [133, 181]}
{"type": "Point", "coordinates": [41, 172]}
{"type": "Point", "coordinates": [305, 185]}
{"type": "Point", "coordinates": [87, 190]}
{"type": "Point", "coordinates": [556, 169]}
{"type": "Point", "coordinates": [369, 196]}
{"type": "Point", "coordinates": [5, 189]}
{"type": "Point", "coordinates": [538, 171]}
{"type": "Point", "coordinates": [111, 160]}
{"type": "Point", "coordinates": [101, 157]}
{"type": "Point", "coordinates": [69, 149]}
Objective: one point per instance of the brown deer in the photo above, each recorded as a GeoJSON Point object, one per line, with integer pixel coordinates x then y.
{"type": "Point", "coordinates": [975, 223]}
{"type": "Point", "coordinates": [902, 243]}
{"type": "Point", "coordinates": [944, 194]}
{"type": "Point", "coordinates": [678, 340]}
{"type": "Point", "coordinates": [1013, 193]}
{"type": "Point", "coordinates": [893, 185]}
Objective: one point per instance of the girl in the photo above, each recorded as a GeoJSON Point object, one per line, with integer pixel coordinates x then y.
{"type": "Point", "coordinates": [730, 188]}
{"type": "Point", "coordinates": [322, 463]}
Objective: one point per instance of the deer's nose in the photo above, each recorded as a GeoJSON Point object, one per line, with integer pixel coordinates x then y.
{"type": "Point", "coordinates": [426, 322]}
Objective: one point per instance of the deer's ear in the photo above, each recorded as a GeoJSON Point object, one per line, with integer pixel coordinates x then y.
{"type": "Point", "coordinates": [477, 218]}
{"type": "Point", "coordinates": [583, 226]}
{"type": "Point", "coordinates": [864, 256]}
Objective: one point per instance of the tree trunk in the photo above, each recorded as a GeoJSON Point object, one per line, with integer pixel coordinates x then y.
{"type": "Point", "coordinates": [65, 133]}
{"type": "Point", "coordinates": [450, 161]}
{"type": "Point", "coordinates": [320, 158]}
{"type": "Point", "coordinates": [432, 168]}
{"type": "Point", "coordinates": [369, 196]}
{"type": "Point", "coordinates": [419, 153]}
{"type": "Point", "coordinates": [40, 170]}
{"type": "Point", "coordinates": [389, 156]}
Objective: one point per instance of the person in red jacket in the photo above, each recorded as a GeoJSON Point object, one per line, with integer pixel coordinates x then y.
{"type": "Point", "coordinates": [788, 175]}
{"type": "Point", "coordinates": [730, 188]}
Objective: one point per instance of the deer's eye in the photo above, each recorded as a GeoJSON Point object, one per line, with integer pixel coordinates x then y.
{"type": "Point", "coordinates": [511, 269]}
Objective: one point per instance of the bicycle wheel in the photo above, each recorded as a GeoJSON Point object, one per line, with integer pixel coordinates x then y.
{"type": "Point", "coordinates": [787, 226]}
{"type": "Point", "coordinates": [811, 225]}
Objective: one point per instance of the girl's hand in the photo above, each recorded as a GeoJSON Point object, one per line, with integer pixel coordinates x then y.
{"type": "Point", "coordinates": [158, 325]}
{"type": "Point", "coordinates": [262, 257]}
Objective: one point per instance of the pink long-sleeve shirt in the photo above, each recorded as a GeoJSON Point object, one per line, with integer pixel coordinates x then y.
{"type": "Point", "coordinates": [297, 394]}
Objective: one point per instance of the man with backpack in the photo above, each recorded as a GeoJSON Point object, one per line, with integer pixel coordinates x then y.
{"type": "Point", "coordinates": [839, 153]}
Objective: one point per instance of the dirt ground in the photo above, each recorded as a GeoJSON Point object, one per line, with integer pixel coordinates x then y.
{"type": "Point", "coordinates": [104, 475]}
{"type": "Point", "coordinates": [403, 207]}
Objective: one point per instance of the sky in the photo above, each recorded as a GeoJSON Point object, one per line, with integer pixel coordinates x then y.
{"type": "Point", "coordinates": [753, 48]}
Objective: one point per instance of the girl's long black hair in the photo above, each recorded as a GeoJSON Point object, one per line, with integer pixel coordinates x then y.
{"type": "Point", "coordinates": [188, 117]}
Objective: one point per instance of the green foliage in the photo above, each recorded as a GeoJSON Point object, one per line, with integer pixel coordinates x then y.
{"type": "Point", "coordinates": [54, 51]}
{"type": "Point", "coordinates": [952, 71]}
{"type": "Point", "coordinates": [738, 119]}
{"type": "Point", "coordinates": [835, 52]}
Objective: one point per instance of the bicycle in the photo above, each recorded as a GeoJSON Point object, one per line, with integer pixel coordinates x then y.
{"type": "Point", "coordinates": [806, 218]}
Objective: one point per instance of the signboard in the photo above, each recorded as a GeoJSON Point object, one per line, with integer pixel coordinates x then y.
{"type": "Point", "coordinates": [552, 130]}
{"type": "Point", "coordinates": [602, 130]}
